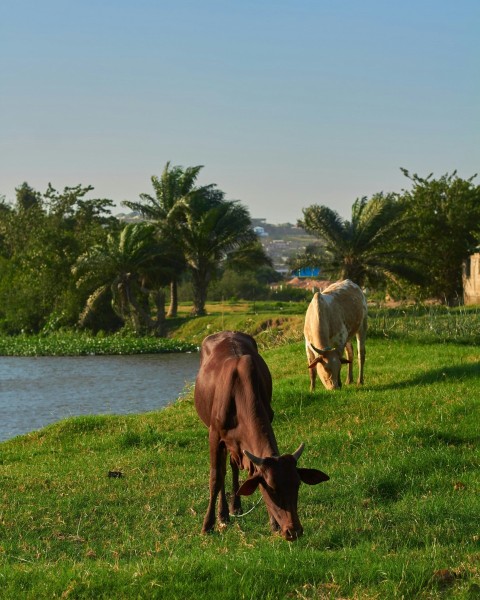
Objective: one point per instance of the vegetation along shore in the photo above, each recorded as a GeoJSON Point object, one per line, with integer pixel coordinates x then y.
{"type": "Point", "coordinates": [112, 506]}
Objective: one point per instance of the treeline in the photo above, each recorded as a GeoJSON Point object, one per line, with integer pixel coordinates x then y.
{"type": "Point", "coordinates": [66, 261]}
{"type": "Point", "coordinates": [408, 244]}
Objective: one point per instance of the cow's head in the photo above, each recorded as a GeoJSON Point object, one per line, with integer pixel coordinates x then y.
{"type": "Point", "coordinates": [328, 362]}
{"type": "Point", "coordinates": [279, 479]}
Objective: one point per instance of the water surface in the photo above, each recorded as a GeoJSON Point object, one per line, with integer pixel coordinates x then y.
{"type": "Point", "coordinates": [37, 391]}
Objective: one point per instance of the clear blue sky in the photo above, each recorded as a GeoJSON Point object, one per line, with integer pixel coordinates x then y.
{"type": "Point", "coordinates": [286, 103]}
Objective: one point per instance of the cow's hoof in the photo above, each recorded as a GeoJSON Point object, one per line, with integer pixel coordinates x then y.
{"type": "Point", "coordinates": [207, 531]}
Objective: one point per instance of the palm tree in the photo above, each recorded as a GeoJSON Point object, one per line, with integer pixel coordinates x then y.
{"type": "Point", "coordinates": [210, 228]}
{"type": "Point", "coordinates": [371, 248]}
{"type": "Point", "coordinates": [133, 266]}
{"type": "Point", "coordinates": [170, 189]}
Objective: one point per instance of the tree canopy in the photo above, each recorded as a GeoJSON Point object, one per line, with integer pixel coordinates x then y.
{"type": "Point", "coordinates": [369, 248]}
{"type": "Point", "coordinates": [133, 266]}
{"type": "Point", "coordinates": [211, 228]}
{"type": "Point", "coordinates": [170, 190]}
{"type": "Point", "coordinates": [444, 217]}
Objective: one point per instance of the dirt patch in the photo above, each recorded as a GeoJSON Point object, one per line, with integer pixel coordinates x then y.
{"type": "Point", "coordinates": [273, 323]}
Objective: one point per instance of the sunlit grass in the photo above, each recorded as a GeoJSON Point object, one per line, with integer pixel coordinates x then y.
{"type": "Point", "coordinates": [398, 519]}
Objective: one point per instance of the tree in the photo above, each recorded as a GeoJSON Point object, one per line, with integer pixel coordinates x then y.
{"type": "Point", "coordinates": [245, 274]}
{"type": "Point", "coordinates": [210, 228]}
{"type": "Point", "coordinates": [248, 258]}
{"type": "Point", "coordinates": [170, 189]}
{"type": "Point", "coordinates": [5, 214]}
{"type": "Point", "coordinates": [445, 221]}
{"type": "Point", "coordinates": [368, 249]}
{"type": "Point", "coordinates": [27, 197]}
{"type": "Point", "coordinates": [130, 266]}
{"type": "Point", "coordinates": [41, 237]}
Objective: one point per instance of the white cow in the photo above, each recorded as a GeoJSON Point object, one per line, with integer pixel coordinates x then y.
{"type": "Point", "coordinates": [333, 318]}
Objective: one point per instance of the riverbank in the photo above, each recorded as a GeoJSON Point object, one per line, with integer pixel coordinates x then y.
{"type": "Point", "coordinates": [272, 325]}
{"type": "Point", "coordinates": [111, 507]}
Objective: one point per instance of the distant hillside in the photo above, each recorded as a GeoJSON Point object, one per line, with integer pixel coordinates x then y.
{"type": "Point", "coordinates": [282, 242]}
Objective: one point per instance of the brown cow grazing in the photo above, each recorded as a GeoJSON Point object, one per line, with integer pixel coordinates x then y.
{"type": "Point", "coordinates": [233, 392]}
{"type": "Point", "coordinates": [333, 318]}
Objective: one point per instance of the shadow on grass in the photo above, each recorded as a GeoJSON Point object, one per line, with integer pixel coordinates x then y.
{"type": "Point", "coordinates": [444, 374]}
{"type": "Point", "coordinates": [434, 437]}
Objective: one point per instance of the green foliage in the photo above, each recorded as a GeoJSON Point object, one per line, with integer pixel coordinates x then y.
{"type": "Point", "coordinates": [210, 228]}
{"type": "Point", "coordinates": [277, 323]}
{"type": "Point", "coordinates": [370, 249]}
{"type": "Point", "coordinates": [233, 284]}
{"type": "Point", "coordinates": [398, 518]}
{"type": "Point", "coordinates": [445, 221]}
{"type": "Point", "coordinates": [133, 266]}
{"type": "Point", "coordinates": [428, 324]}
{"type": "Point", "coordinates": [41, 238]}
{"type": "Point", "coordinates": [197, 236]}
{"type": "Point", "coordinates": [77, 344]}
{"type": "Point", "coordinates": [202, 227]}
{"type": "Point", "coordinates": [163, 208]}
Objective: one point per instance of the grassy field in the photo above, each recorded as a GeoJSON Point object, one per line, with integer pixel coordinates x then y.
{"type": "Point", "coordinates": [111, 507]}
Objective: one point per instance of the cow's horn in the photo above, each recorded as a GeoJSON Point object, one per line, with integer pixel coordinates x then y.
{"type": "Point", "coordinates": [323, 350]}
{"type": "Point", "coordinates": [298, 452]}
{"type": "Point", "coordinates": [256, 460]}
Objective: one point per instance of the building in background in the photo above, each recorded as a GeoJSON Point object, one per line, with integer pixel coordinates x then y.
{"type": "Point", "coordinates": [471, 279]}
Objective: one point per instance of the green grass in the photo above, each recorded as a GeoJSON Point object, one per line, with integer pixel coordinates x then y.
{"type": "Point", "coordinates": [282, 323]}
{"type": "Point", "coordinates": [398, 519]}
{"type": "Point", "coordinates": [272, 323]}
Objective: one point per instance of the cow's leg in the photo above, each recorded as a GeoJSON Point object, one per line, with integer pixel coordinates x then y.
{"type": "Point", "coordinates": [313, 376]}
{"type": "Point", "coordinates": [349, 351]}
{"type": "Point", "coordinates": [223, 512]}
{"type": "Point", "coordinates": [361, 354]}
{"type": "Point", "coordinates": [235, 500]}
{"type": "Point", "coordinates": [217, 480]}
{"type": "Point", "coordinates": [312, 371]}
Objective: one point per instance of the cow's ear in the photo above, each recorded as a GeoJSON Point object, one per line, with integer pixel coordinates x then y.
{"type": "Point", "coordinates": [312, 476]}
{"type": "Point", "coordinates": [345, 361]}
{"type": "Point", "coordinates": [249, 486]}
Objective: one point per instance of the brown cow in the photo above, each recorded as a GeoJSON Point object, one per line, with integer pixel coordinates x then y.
{"type": "Point", "coordinates": [333, 318]}
{"type": "Point", "coordinates": [233, 392]}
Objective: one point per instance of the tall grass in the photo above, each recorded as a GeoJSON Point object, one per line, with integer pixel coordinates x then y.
{"type": "Point", "coordinates": [430, 324]}
{"type": "Point", "coordinates": [275, 326]}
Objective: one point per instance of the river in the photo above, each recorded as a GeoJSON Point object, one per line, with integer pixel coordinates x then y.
{"type": "Point", "coordinates": [37, 391]}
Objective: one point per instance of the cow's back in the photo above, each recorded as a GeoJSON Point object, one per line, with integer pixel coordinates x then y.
{"type": "Point", "coordinates": [350, 305]}
{"type": "Point", "coordinates": [339, 311]}
{"type": "Point", "coordinates": [229, 363]}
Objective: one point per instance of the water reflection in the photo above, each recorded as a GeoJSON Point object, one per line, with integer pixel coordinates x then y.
{"type": "Point", "coordinates": [41, 390]}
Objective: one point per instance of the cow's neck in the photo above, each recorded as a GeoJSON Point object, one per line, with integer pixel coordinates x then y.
{"type": "Point", "coordinates": [258, 436]}
{"type": "Point", "coordinates": [263, 443]}
{"type": "Point", "coordinates": [324, 318]}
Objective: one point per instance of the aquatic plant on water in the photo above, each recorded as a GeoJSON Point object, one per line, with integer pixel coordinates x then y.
{"type": "Point", "coordinates": [81, 344]}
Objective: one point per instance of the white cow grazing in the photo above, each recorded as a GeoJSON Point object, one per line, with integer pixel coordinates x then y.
{"type": "Point", "coordinates": [333, 318]}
